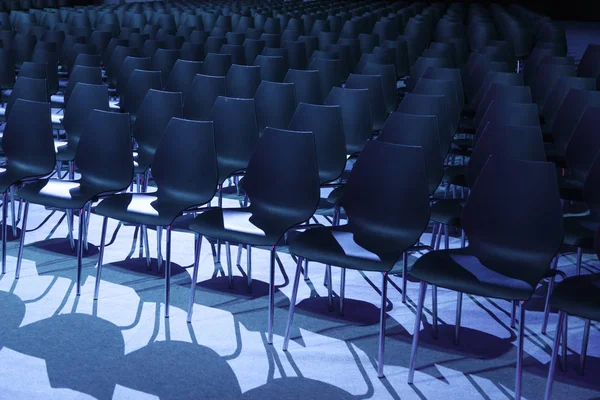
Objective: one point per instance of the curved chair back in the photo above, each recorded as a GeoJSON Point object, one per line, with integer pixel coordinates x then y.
{"type": "Point", "coordinates": [200, 99]}
{"type": "Point", "coordinates": [242, 81]}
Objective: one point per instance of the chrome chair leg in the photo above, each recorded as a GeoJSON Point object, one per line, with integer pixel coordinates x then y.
{"type": "Point", "coordinates": [159, 257]}
{"type": "Point", "coordinates": [462, 238]}
{"type": "Point", "coordinates": [579, 257]}
{"type": "Point", "coordinates": [22, 241]}
{"type": "Point", "coordinates": [58, 169]}
{"type": "Point", "coordinates": [446, 238]}
{"type": "Point", "coordinates": [100, 258]}
{"type": "Point", "coordinates": [329, 287]}
{"type": "Point", "coordinates": [13, 211]}
{"type": "Point", "coordinates": [584, 346]}
{"type": "Point", "coordinates": [547, 304]}
{"type": "Point", "coordinates": [238, 262]}
{"type": "Point", "coordinates": [80, 248]}
{"type": "Point", "coordinates": [415, 342]}
{"type": "Point", "coordinates": [565, 336]}
{"type": "Point", "coordinates": [229, 269]}
{"type": "Point", "coordinates": [194, 278]}
{"type": "Point", "coordinates": [87, 215]}
{"type": "Point", "coordinates": [288, 327]}
{"type": "Point", "coordinates": [70, 228]}
{"type": "Point", "coordinates": [249, 267]}
{"type": "Point", "coordinates": [71, 170]}
{"type": "Point", "coordinates": [434, 309]}
{"type": "Point", "coordinates": [404, 275]}
{"type": "Point", "coordinates": [382, 315]}
{"type": "Point", "coordinates": [306, 270]}
{"type": "Point", "coordinates": [168, 273]}
{"type": "Point", "coordinates": [220, 204]}
{"type": "Point", "coordinates": [4, 230]}
{"type": "Point", "coordinates": [459, 299]}
{"type": "Point", "coordinates": [520, 338]}
{"type": "Point", "coordinates": [147, 246]}
{"type": "Point", "coordinates": [271, 295]}
{"type": "Point", "coordinates": [342, 290]}
{"type": "Point", "coordinates": [433, 231]}
{"type": "Point", "coordinates": [438, 237]}
{"type": "Point", "coordinates": [513, 312]}
{"type": "Point", "coordinates": [554, 359]}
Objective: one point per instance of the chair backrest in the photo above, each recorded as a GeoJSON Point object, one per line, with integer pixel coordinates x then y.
{"type": "Point", "coordinates": [27, 89]}
{"type": "Point", "coordinates": [515, 114]}
{"type": "Point", "coordinates": [307, 85]}
{"type": "Point", "coordinates": [217, 64]}
{"type": "Point", "coordinates": [128, 66]}
{"type": "Point", "coordinates": [356, 116]}
{"type": "Point", "coordinates": [559, 92]}
{"type": "Point", "coordinates": [106, 137]}
{"type": "Point", "coordinates": [325, 122]}
{"type": "Point", "coordinates": [386, 197]}
{"type": "Point", "coordinates": [155, 112]}
{"type": "Point", "coordinates": [375, 85]}
{"type": "Point", "coordinates": [512, 142]}
{"type": "Point", "coordinates": [272, 68]}
{"type": "Point", "coordinates": [235, 138]}
{"type": "Point", "coordinates": [524, 232]}
{"type": "Point", "coordinates": [201, 97]}
{"type": "Point", "coordinates": [182, 75]}
{"type": "Point", "coordinates": [275, 104]}
{"type": "Point", "coordinates": [452, 74]}
{"type": "Point", "coordinates": [242, 81]}
{"type": "Point", "coordinates": [138, 85]}
{"type": "Point", "coordinates": [570, 113]}
{"type": "Point", "coordinates": [502, 93]}
{"type": "Point", "coordinates": [584, 144]}
{"type": "Point", "coordinates": [442, 88]}
{"type": "Point", "coordinates": [388, 80]}
{"type": "Point", "coordinates": [420, 131]}
{"type": "Point", "coordinates": [185, 162]}
{"type": "Point", "coordinates": [282, 178]}
{"type": "Point", "coordinates": [330, 73]}
{"type": "Point", "coordinates": [28, 142]}
{"type": "Point", "coordinates": [504, 78]}
{"type": "Point", "coordinates": [86, 99]}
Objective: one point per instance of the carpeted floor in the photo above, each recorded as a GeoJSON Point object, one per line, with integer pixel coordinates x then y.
{"type": "Point", "coordinates": [54, 345]}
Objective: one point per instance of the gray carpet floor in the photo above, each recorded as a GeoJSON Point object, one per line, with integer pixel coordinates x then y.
{"type": "Point", "coordinates": [55, 345]}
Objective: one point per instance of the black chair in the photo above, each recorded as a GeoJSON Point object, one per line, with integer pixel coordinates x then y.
{"type": "Point", "coordinates": [217, 64]}
{"type": "Point", "coordinates": [402, 216]}
{"type": "Point", "coordinates": [272, 68]}
{"type": "Point", "coordinates": [275, 105]}
{"type": "Point", "coordinates": [511, 244]}
{"type": "Point", "coordinates": [129, 65]}
{"type": "Point", "coordinates": [444, 88]}
{"type": "Point", "coordinates": [185, 172]}
{"type": "Point", "coordinates": [307, 85]}
{"type": "Point", "coordinates": [138, 85]}
{"type": "Point", "coordinates": [388, 81]}
{"type": "Point", "coordinates": [242, 81]}
{"type": "Point", "coordinates": [26, 89]}
{"type": "Point", "coordinates": [163, 61]}
{"type": "Point", "coordinates": [282, 183]}
{"type": "Point", "coordinates": [28, 145]}
{"type": "Point", "coordinates": [236, 52]}
{"type": "Point", "coordinates": [199, 100]}
{"type": "Point", "coordinates": [356, 116]}
{"type": "Point", "coordinates": [448, 74]}
{"type": "Point", "coordinates": [375, 86]}
{"type": "Point", "coordinates": [182, 75]}
{"type": "Point", "coordinates": [330, 74]}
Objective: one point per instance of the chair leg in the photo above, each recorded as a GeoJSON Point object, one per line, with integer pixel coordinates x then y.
{"type": "Point", "coordinates": [229, 269]}
{"type": "Point", "coordinates": [306, 271]}
{"type": "Point", "coordinates": [194, 278]}
{"type": "Point", "coordinates": [100, 258]}
{"type": "Point", "coordinates": [13, 211]}
{"type": "Point", "coordinates": [238, 262]}
{"type": "Point", "coordinates": [88, 215]}
{"type": "Point", "coordinates": [382, 325]}
{"type": "Point", "coordinates": [459, 298]}
{"type": "Point", "coordinates": [554, 359]}
{"type": "Point", "coordinates": [288, 327]}
{"type": "Point", "coordinates": [249, 267]}
{"type": "Point", "coordinates": [80, 248]}
{"type": "Point", "coordinates": [404, 275]}
{"type": "Point", "coordinates": [342, 290]}
{"type": "Point", "coordinates": [159, 257]}
{"type": "Point", "coordinates": [520, 338]}
{"type": "Point", "coordinates": [434, 308]}
{"type": "Point", "coordinates": [565, 336]}
{"type": "Point", "coordinates": [579, 257]}
{"type": "Point", "coordinates": [462, 238]}
{"type": "Point", "coordinates": [446, 238]}
{"type": "Point", "coordinates": [513, 312]}
{"type": "Point", "coordinates": [547, 304]}
{"type": "Point", "coordinates": [433, 231]}
{"type": "Point", "coordinates": [4, 230]}
{"type": "Point", "coordinates": [58, 169]}
{"type": "Point", "coordinates": [329, 287]}
{"type": "Point", "coordinates": [71, 170]}
{"type": "Point", "coordinates": [220, 204]}
{"type": "Point", "coordinates": [415, 342]}
{"type": "Point", "coordinates": [146, 245]}
{"type": "Point", "coordinates": [168, 273]}
{"type": "Point", "coordinates": [22, 241]}
{"type": "Point", "coordinates": [271, 295]}
{"type": "Point", "coordinates": [70, 228]}
{"type": "Point", "coordinates": [438, 237]}
{"type": "Point", "coordinates": [584, 346]}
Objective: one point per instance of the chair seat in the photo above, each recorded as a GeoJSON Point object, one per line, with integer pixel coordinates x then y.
{"type": "Point", "coordinates": [447, 212]}
{"type": "Point", "coordinates": [335, 197]}
{"type": "Point", "coordinates": [455, 175]}
{"type": "Point", "coordinates": [463, 271]}
{"type": "Point", "coordinates": [579, 232]}
{"type": "Point", "coordinates": [570, 189]}
{"type": "Point", "coordinates": [337, 246]}
{"type": "Point", "coordinates": [12, 176]}
{"type": "Point", "coordinates": [58, 193]}
{"type": "Point", "coordinates": [151, 209]}
{"type": "Point", "coordinates": [64, 151]}
{"type": "Point", "coordinates": [464, 143]}
{"type": "Point", "coordinates": [579, 296]}
{"type": "Point", "coordinates": [240, 225]}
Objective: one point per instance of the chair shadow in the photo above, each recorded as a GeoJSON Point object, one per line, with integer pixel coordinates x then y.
{"type": "Point", "coordinates": [12, 312]}
{"type": "Point", "coordinates": [300, 388]}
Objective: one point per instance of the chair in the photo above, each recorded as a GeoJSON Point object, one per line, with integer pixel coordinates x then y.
{"type": "Point", "coordinates": [106, 137]}
{"type": "Point", "coordinates": [444, 88]}
{"type": "Point", "coordinates": [236, 52]}
{"type": "Point", "coordinates": [81, 74]}
{"type": "Point", "coordinates": [182, 75]}
{"type": "Point", "coordinates": [242, 81]}
{"type": "Point", "coordinates": [375, 86]}
{"type": "Point", "coordinates": [199, 100]}
{"type": "Point", "coordinates": [495, 263]}
{"type": "Point", "coordinates": [388, 80]}
{"type": "Point", "coordinates": [138, 86]}
{"type": "Point", "coordinates": [330, 74]}
{"type": "Point", "coordinates": [29, 148]}
{"type": "Point", "coordinates": [272, 68]}
{"type": "Point", "coordinates": [403, 218]}
{"type": "Point", "coordinates": [307, 85]}
{"type": "Point", "coordinates": [51, 61]}
{"type": "Point", "coordinates": [217, 64]}
{"type": "Point", "coordinates": [275, 105]}
{"type": "Point", "coordinates": [163, 61]}
{"type": "Point", "coordinates": [282, 183]}
{"type": "Point", "coordinates": [185, 172]}
{"type": "Point", "coordinates": [451, 75]}
{"type": "Point", "coordinates": [26, 89]}
{"type": "Point", "coordinates": [129, 65]}
{"type": "Point", "coordinates": [356, 116]}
